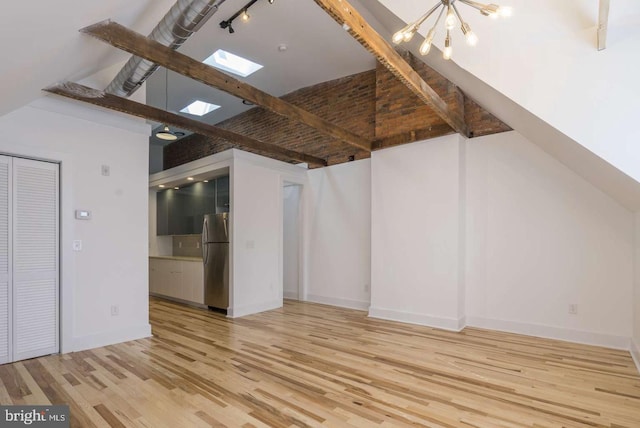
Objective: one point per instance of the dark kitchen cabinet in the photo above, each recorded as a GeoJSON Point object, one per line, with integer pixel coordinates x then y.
{"type": "Point", "coordinates": [222, 195]}
{"type": "Point", "coordinates": [181, 211]}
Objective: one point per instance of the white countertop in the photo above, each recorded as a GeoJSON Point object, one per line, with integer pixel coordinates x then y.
{"type": "Point", "coordinates": [184, 259]}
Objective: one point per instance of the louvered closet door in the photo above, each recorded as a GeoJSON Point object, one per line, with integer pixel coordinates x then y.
{"type": "Point", "coordinates": [35, 258]}
{"type": "Point", "coordinates": [5, 261]}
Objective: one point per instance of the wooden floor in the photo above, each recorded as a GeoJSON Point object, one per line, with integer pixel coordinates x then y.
{"type": "Point", "coordinates": [312, 365]}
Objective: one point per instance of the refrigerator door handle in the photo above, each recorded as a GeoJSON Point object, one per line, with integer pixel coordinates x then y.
{"type": "Point", "coordinates": [226, 230]}
{"type": "Point", "coordinates": [205, 239]}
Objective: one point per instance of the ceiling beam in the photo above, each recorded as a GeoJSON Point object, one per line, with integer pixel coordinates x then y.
{"type": "Point", "coordinates": [137, 44]}
{"type": "Point", "coordinates": [113, 102]}
{"type": "Point", "coordinates": [433, 131]}
{"type": "Point", "coordinates": [603, 23]}
{"type": "Point", "coordinates": [344, 14]}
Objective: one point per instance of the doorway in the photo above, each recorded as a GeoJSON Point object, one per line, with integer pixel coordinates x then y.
{"type": "Point", "coordinates": [292, 238]}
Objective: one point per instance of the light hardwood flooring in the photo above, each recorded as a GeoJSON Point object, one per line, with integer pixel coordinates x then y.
{"type": "Point", "coordinates": [311, 365]}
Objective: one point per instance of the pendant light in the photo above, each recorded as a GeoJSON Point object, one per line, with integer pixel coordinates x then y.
{"type": "Point", "coordinates": [453, 18]}
{"type": "Point", "coordinates": [166, 134]}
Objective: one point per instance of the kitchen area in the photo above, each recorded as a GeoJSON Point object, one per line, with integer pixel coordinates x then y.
{"type": "Point", "coordinates": [196, 218]}
{"type": "Point", "coordinates": [216, 232]}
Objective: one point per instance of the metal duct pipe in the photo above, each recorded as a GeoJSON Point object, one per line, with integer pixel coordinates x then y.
{"type": "Point", "coordinates": [183, 19]}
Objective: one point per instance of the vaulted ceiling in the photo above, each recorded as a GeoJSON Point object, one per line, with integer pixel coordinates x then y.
{"type": "Point", "coordinates": [447, 106]}
{"type": "Point", "coordinates": [543, 59]}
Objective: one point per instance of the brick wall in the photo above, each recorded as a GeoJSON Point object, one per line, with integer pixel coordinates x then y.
{"type": "Point", "coordinates": [480, 121]}
{"type": "Point", "coordinates": [373, 104]}
{"type": "Point", "coordinates": [399, 110]}
{"type": "Point", "coordinates": [348, 102]}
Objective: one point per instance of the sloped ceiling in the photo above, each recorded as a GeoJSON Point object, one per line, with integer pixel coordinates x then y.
{"type": "Point", "coordinates": [42, 44]}
{"type": "Point", "coordinates": [317, 50]}
{"type": "Point", "coordinates": [544, 58]}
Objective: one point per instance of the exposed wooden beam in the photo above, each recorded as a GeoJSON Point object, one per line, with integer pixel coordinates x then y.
{"type": "Point", "coordinates": [603, 23]}
{"type": "Point", "coordinates": [137, 44]}
{"type": "Point", "coordinates": [344, 14]}
{"type": "Point", "coordinates": [113, 102]}
{"type": "Point", "coordinates": [437, 130]}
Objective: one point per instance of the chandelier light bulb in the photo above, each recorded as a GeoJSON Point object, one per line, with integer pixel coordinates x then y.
{"type": "Point", "coordinates": [447, 53]}
{"type": "Point", "coordinates": [450, 21]}
{"type": "Point", "coordinates": [469, 35]}
{"type": "Point", "coordinates": [505, 11]}
{"type": "Point", "coordinates": [490, 10]}
{"type": "Point", "coordinates": [448, 50]}
{"type": "Point", "coordinates": [472, 39]}
{"type": "Point", "coordinates": [425, 47]}
{"type": "Point", "coordinates": [398, 37]}
{"type": "Point", "coordinates": [408, 35]}
{"type": "Point", "coordinates": [401, 36]}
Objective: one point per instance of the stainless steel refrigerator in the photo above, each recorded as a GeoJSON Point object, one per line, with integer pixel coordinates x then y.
{"type": "Point", "coordinates": [215, 256]}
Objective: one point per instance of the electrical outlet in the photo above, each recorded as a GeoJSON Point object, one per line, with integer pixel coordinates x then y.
{"type": "Point", "coordinates": [105, 170]}
{"type": "Point", "coordinates": [180, 244]}
{"type": "Point", "coordinates": [115, 310]}
{"type": "Point", "coordinates": [367, 287]}
{"type": "Point", "coordinates": [197, 244]}
{"type": "Point", "coordinates": [573, 309]}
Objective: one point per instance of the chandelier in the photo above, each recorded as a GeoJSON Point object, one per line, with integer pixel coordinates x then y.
{"type": "Point", "coordinates": [452, 19]}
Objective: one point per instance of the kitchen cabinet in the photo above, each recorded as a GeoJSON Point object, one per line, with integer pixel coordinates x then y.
{"type": "Point", "coordinates": [222, 195]}
{"type": "Point", "coordinates": [178, 279]}
{"type": "Point", "coordinates": [181, 211]}
{"type": "Point", "coordinates": [192, 282]}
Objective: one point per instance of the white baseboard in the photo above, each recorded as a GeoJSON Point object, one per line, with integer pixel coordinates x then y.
{"type": "Point", "coordinates": [335, 301]}
{"type": "Point", "coordinates": [635, 353]}
{"type": "Point", "coordinates": [550, 332]}
{"type": "Point", "coordinates": [451, 324]}
{"type": "Point", "coordinates": [243, 311]}
{"type": "Point", "coordinates": [290, 295]}
{"type": "Point", "coordinates": [111, 337]}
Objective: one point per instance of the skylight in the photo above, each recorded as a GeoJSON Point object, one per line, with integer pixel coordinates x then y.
{"type": "Point", "coordinates": [199, 108]}
{"type": "Point", "coordinates": [232, 63]}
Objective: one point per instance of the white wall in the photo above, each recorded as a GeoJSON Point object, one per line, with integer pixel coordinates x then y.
{"type": "Point", "coordinates": [541, 238]}
{"type": "Point", "coordinates": [415, 233]}
{"type": "Point", "coordinates": [112, 267]}
{"type": "Point", "coordinates": [635, 345]}
{"type": "Point", "coordinates": [495, 230]}
{"type": "Point", "coordinates": [338, 219]}
{"type": "Point", "coordinates": [292, 235]}
{"type": "Point", "coordinates": [256, 234]}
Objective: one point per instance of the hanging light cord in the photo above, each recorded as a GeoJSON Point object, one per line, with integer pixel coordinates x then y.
{"type": "Point", "coordinates": [165, 133]}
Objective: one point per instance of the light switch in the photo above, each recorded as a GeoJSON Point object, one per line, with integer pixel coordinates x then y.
{"type": "Point", "coordinates": [250, 245]}
{"type": "Point", "coordinates": [83, 215]}
{"type": "Point", "coordinates": [77, 245]}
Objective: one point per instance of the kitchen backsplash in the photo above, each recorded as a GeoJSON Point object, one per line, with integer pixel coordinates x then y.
{"type": "Point", "coordinates": [187, 246]}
